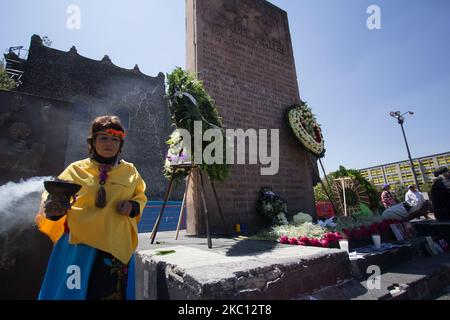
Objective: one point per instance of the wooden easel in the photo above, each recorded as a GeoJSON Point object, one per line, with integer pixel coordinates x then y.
{"type": "Point", "coordinates": [189, 166]}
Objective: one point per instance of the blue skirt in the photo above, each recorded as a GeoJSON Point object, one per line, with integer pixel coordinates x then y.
{"type": "Point", "coordinates": [69, 271]}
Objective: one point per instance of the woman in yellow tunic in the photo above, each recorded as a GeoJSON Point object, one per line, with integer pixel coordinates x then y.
{"type": "Point", "coordinates": [96, 238]}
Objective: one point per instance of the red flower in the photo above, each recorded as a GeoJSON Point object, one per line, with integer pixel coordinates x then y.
{"type": "Point", "coordinates": [330, 237]}
{"type": "Point", "coordinates": [365, 232]}
{"type": "Point", "coordinates": [374, 229]}
{"type": "Point", "coordinates": [338, 236]}
{"type": "Point", "coordinates": [325, 243]}
{"type": "Point", "coordinates": [305, 240]}
{"type": "Point", "coordinates": [293, 241]}
{"type": "Point", "coordinates": [383, 226]}
{"type": "Point", "coordinates": [284, 240]}
{"type": "Point", "coordinates": [315, 243]}
{"type": "Point", "coordinates": [347, 233]}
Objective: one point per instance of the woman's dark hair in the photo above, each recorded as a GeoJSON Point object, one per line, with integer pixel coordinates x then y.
{"type": "Point", "coordinates": [103, 123]}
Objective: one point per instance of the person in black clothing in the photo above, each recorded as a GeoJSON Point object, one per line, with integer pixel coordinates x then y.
{"type": "Point", "coordinates": [440, 194]}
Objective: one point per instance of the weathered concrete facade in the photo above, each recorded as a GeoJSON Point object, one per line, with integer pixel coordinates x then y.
{"type": "Point", "coordinates": [33, 141]}
{"type": "Point", "coordinates": [97, 88]}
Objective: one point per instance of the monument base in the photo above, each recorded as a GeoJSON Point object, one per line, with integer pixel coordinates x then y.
{"type": "Point", "coordinates": [234, 269]}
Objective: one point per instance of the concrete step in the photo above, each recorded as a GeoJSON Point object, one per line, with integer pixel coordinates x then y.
{"type": "Point", "coordinates": [421, 278]}
{"type": "Point", "coordinates": [433, 228]}
{"type": "Point", "coordinates": [235, 269]}
{"type": "Point", "coordinates": [443, 295]}
{"type": "Point", "coordinates": [242, 269]}
{"type": "Point", "coordinates": [392, 254]}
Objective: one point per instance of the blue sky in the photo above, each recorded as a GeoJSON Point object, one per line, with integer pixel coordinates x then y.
{"type": "Point", "coordinates": [351, 76]}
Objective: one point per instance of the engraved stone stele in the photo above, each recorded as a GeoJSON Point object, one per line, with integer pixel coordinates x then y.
{"type": "Point", "coordinates": [242, 51]}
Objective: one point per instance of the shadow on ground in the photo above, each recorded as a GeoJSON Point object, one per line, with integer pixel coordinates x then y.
{"type": "Point", "coordinates": [247, 247]}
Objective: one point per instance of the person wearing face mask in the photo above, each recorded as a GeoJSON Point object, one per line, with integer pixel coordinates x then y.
{"type": "Point", "coordinates": [95, 239]}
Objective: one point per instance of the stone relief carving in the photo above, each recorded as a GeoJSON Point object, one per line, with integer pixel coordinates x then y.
{"type": "Point", "coordinates": [17, 151]}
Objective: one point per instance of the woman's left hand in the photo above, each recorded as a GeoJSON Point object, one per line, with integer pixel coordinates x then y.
{"type": "Point", "coordinates": [124, 208]}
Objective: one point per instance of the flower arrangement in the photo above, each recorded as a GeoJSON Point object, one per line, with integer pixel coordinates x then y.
{"type": "Point", "coordinates": [304, 125]}
{"type": "Point", "coordinates": [189, 102]}
{"type": "Point", "coordinates": [328, 240]}
{"type": "Point", "coordinates": [357, 230]}
{"type": "Point", "coordinates": [175, 155]}
{"type": "Point", "coordinates": [372, 193]}
{"type": "Point", "coordinates": [272, 206]}
{"type": "Point", "coordinates": [301, 218]}
{"type": "Point", "coordinates": [364, 232]}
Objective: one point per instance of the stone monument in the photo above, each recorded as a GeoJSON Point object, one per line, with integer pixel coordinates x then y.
{"type": "Point", "coordinates": [242, 51]}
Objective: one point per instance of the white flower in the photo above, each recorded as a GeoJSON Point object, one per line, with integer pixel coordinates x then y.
{"type": "Point", "coordinates": [282, 218]}
{"type": "Point", "coordinates": [301, 218]}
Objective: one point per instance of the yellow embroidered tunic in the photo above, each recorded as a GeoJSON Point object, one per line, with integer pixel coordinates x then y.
{"type": "Point", "coordinates": [101, 228]}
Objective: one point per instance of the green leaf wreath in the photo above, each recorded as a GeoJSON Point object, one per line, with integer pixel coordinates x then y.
{"type": "Point", "coordinates": [189, 102]}
{"type": "Point", "coordinates": [304, 126]}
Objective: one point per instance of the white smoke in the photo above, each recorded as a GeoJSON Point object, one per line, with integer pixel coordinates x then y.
{"type": "Point", "coordinates": [19, 203]}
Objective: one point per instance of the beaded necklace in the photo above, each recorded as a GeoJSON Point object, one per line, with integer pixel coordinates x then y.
{"type": "Point", "coordinates": [100, 201]}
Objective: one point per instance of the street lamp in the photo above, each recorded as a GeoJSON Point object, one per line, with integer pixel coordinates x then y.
{"type": "Point", "coordinates": [401, 119]}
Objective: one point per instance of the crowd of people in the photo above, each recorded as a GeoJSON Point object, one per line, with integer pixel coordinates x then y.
{"type": "Point", "coordinates": [415, 205]}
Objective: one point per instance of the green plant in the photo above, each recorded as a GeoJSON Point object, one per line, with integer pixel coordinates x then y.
{"type": "Point", "coordinates": [6, 83]}
{"type": "Point", "coordinates": [189, 102]}
{"type": "Point", "coordinates": [399, 192]}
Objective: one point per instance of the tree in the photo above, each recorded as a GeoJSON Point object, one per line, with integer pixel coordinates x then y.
{"type": "Point", "coordinates": [6, 83]}
{"type": "Point", "coordinates": [46, 41]}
